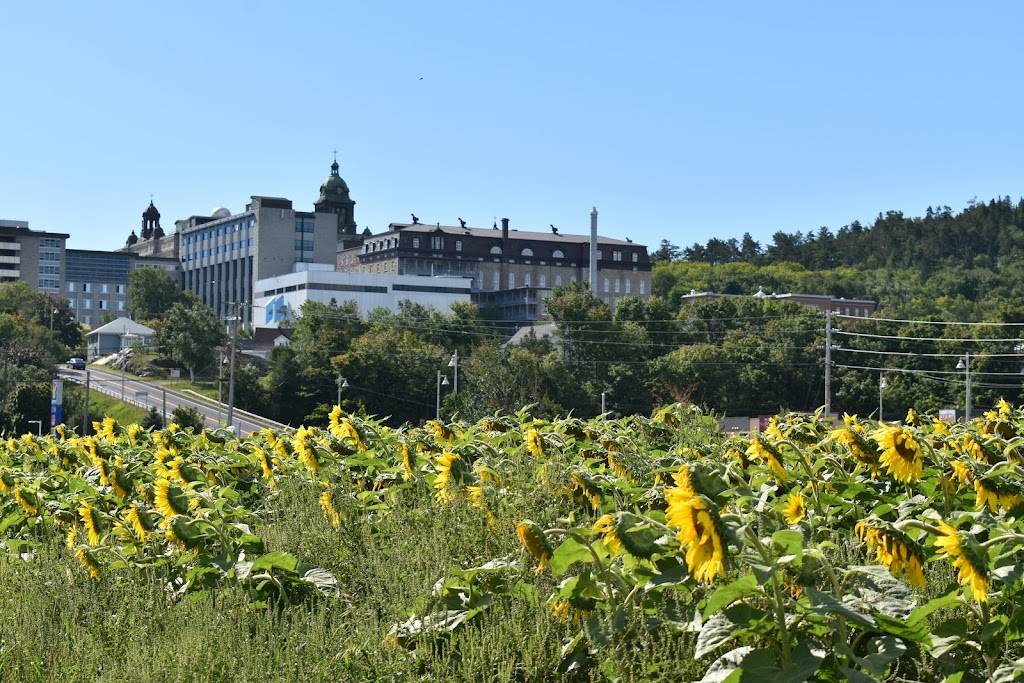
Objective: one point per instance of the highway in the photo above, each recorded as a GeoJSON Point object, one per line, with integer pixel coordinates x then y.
{"type": "Point", "coordinates": [146, 395]}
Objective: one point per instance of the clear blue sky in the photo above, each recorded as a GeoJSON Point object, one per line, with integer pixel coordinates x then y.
{"type": "Point", "coordinates": [677, 120]}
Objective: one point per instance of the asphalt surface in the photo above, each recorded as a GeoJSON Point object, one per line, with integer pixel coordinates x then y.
{"type": "Point", "coordinates": [146, 395]}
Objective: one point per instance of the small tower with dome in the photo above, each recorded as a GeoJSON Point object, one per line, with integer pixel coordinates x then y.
{"type": "Point", "coordinates": [151, 222]}
{"type": "Point", "coordinates": [334, 198]}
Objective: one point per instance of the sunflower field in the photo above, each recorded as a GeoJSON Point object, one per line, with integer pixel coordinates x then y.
{"type": "Point", "coordinates": [518, 549]}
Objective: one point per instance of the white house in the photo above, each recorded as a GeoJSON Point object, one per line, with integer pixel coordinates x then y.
{"type": "Point", "coordinates": [116, 335]}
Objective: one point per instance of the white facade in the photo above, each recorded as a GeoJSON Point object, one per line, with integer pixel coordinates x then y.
{"type": "Point", "coordinates": [280, 297]}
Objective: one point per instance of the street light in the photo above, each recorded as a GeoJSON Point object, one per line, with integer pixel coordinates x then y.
{"type": "Point", "coordinates": [965, 365]}
{"type": "Point", "coordinates": [51, 318]}
{"type": "Point", "coordinates": [440, 384]}
{"type": "Point", "coordinates": [883, 384]}
{"type": "Point", "coordinates": [39, 427]}
{"type": "Point", "coordinates": [342, 384]}
{"type": "Point", "coordinates": [454, 364]}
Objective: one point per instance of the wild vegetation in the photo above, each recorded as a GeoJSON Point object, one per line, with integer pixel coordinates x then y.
{"type": "Point", "coordinates": [517, 548]}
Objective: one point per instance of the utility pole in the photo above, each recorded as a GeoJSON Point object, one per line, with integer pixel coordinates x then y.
{"type": "Point", "coordinates": [454, 364]}
{"type": "Point", "coordinates": [828, 363]}
{"type": "Point", "coordinates": [231, 371]}
{"type": "Point", "coordinates": [220, 385]}
{"type": "Point", "coordinates": [165, 406]}
{"type": "Point", "coordinates": [85, 412]}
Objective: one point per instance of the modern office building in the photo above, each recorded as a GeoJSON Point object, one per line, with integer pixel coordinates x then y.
{"type": "Point", "coordinates": [279, 298]}
{"type": "Point", "coordinates": [96, 282]}
{"type": "Point", "coordinates": [511, 270]}
{"type": "Point", "coordinates": [35, 257]}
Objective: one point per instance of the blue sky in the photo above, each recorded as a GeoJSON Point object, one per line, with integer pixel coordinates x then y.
{"type": "Point", "coordinates": [677, 120]}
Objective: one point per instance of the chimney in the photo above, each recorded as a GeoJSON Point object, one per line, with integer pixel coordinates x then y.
{"type": "Point", "coordinates": [504, 228]}
{"type": "Point", "coordinates": [593, 251]}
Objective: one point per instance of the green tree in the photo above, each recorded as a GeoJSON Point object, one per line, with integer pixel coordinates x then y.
{"type": "Point", "coordinates": [187, 418]}
{"type": "Point", "coordinates": [189, 335]}
{"type": "Point", "coordinates": [152, 292]}
{"type": "Point", "coordinates": [152, 420]}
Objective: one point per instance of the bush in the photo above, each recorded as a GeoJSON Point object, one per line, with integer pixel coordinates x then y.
{"type": "Point", "coordinates": [187, 417]}
{"type": "Point", "coordinates": [153, 420]}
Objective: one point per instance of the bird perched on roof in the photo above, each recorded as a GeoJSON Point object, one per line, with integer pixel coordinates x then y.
{"type": "Point", "coordinates": [553, 229]}
{"type": "Point", "coordinates": [462, 222]}
{"type": "Point", "coordinates": [414, 219]}
{"type": "Point", "coordinates": [629, 240]}
{"type": "Point", "coordinates": [495, 226]}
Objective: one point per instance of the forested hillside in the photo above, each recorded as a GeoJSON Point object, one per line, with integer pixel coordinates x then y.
{"type": "Point", "coordinates": [947, 285]}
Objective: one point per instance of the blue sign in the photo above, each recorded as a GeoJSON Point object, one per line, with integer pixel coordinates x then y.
{"type": "Point", "coordinates": [56, 403]}
{"type": "Point", "coordinates": [276, 310]}
{"type": "Point", "coordinates": [56, 415]}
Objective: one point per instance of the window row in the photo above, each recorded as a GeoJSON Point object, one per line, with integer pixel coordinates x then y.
{"type": "Point", "coordinates": [49, 270]}
{"type": "Point", "coordinates": [218, 232]}
{"type": "Point", "coordinates": [102, 304]}
{"type": "Point", "coordinates": [304, 225]}
{"type": "Point", "coordinates": [49, 256]}
{"type": "Point", "coordinates": [51, 243]}
{"type": "Point", "coordinates": [213, 251]}
{"type": "Point", "coordinates": [104, 288]}
{"type": "Point", "coordinates": [619, 286]}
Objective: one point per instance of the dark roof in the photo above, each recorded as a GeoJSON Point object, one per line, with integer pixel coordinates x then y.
{"type": "Point", "coordinates": [513, 234]}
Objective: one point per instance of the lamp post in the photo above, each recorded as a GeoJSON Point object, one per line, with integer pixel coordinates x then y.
{"type": "Point", "coordinates": [342, 384]}
{"type": "Point", "coordinates": [52, 311]}
{"type": "Point", "coordinates": [965, 365]}
{"type": "Point", "coordinates": [883, 384]}
{"type": "Point", "coordinates": [454, 364]}
{"type": "Point", "coordinates": [39, 427]}
{"type": "Point", "coordinates": [440, 383]}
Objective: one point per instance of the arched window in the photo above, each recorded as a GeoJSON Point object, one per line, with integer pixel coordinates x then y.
{"type": "Point", "coordinates": [458, 245]}
{"type": "Point", "coordinates": [496, 251]}
{"type": "Point", "coordinates": [543, 280]}
{"type": "Point", "coordinates": [557, 253]}
{"type": "Point", "coordinates": [527, 252]}
{"type": "Point", "coordinates": [526, 280]}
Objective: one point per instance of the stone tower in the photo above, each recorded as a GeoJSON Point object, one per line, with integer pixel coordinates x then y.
{"type": "Point", "coordinates": [334, 198]}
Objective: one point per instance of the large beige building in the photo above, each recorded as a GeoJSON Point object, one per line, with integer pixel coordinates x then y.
{"type": "Point", "coordinates": [511, 270]}
{"type": "Point", "coordinates": [35, 257]}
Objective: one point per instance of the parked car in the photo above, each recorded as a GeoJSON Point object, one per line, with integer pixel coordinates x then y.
{"type": "Point", "coordinates": [76, 364]}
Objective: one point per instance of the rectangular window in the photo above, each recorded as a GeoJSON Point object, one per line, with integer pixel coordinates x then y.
{"type": "Point", "coordinates": [87, 287]}
{"type": "Point", "coordinates": [49, 270]}
{"type": "Point", "coordinates": [636, 257]}
{"type": "Point", "coordinates": [122, 289]}
{"type": "Point", "coordinates": [526, 280]}
{"type": "Point", "coordinates": [641, 286]}
{"type": "Point", "coordinates": [616, 256]}
{"type": "Point", "coordinates": [120, 305]}
{"type": "Point", "coordinates": [104, 305]}
{"type": "Point", "coordinates": [618, 285]}
{"type": "Point", "coordinates": [72, 303]}
{"type": "Point", "coordinates": [543, 280]}
{"type": "Point", "coordinates": [437, 242]}
{"type": "Point", "coordinates": [303, 245]}
{"type": "Point", "coordinates": [250, 241]}
{"type": "Point", "coordinates": [497, 281]}
{"type": "Point", "coordinates": [71, 287]}
{"type": "Point", "coordinates": [606, 285]}
{"type": "Point", "coordinates": [104, 288]}
{"type": "Point", "coordinates": [49, 242]}
{"type": "Point", "coordinates": [558, 280]}
{"type": "Point", "coordinates": [49, 256]}
{"type": "Point", "coordinates": [304, 225]}
{"type": "Point", "coordinates": [628, 283]}
{"type": "Point", "coordinates": [511, 280]}
{"type": "Point", "coordinates": [458, 245]}
{"type": "Point", "coordinates": [86, 303]}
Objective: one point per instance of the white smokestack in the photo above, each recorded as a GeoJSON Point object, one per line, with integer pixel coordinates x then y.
{"type": "Point", "coordinates": [593, 251]}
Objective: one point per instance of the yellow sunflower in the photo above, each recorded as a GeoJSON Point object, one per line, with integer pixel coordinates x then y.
{"type": "Point", "coordinates": [443, 464]}
{"type": "Point", "coordinates": [972, 565]}
{"type": "Point", "coordinates": [901, 453]}
{"type": "Point", "coordinates": [534, 443]}
{"type": "Point", "coordinates": [700, 533]}
{"type": "Point", "coordinates": [532, 537]}
{"type": "Point", "coordinates": [762, 450]}
{"type": "Point", "coordinates": [894, 550]}
{"type": "Point", "coordinates": [795, 509]}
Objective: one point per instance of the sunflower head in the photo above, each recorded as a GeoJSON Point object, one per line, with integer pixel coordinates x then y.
{"type": "Point", "coordinates": [795, 509]}
{"type": "Point", "coordinates": [533, 539]}
{"type": "Point", "coordinates": [901, 453]}
{"type": "Point", "coordinates": [968, 557]}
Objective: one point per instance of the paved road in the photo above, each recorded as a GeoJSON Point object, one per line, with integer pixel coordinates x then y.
{"type": "Point", "coordinates": [146, 395]}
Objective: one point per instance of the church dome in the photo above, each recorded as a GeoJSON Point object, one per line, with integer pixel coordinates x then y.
{"type": "Point", "coordinates": [334, 184]}
{"type": "Point", "coordinates": [220, 212]}
{"type": "Point", "coordinates": [151, 211]}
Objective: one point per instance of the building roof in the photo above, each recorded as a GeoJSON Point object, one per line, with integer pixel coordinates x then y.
{"type": "Point", "coordinates": [122, 326]}
{"type": "Point", "coordinates": [512, 233]}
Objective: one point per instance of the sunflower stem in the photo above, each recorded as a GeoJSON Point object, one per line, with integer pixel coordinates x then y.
{"type": "Point", "coordinates": [778, 603]}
